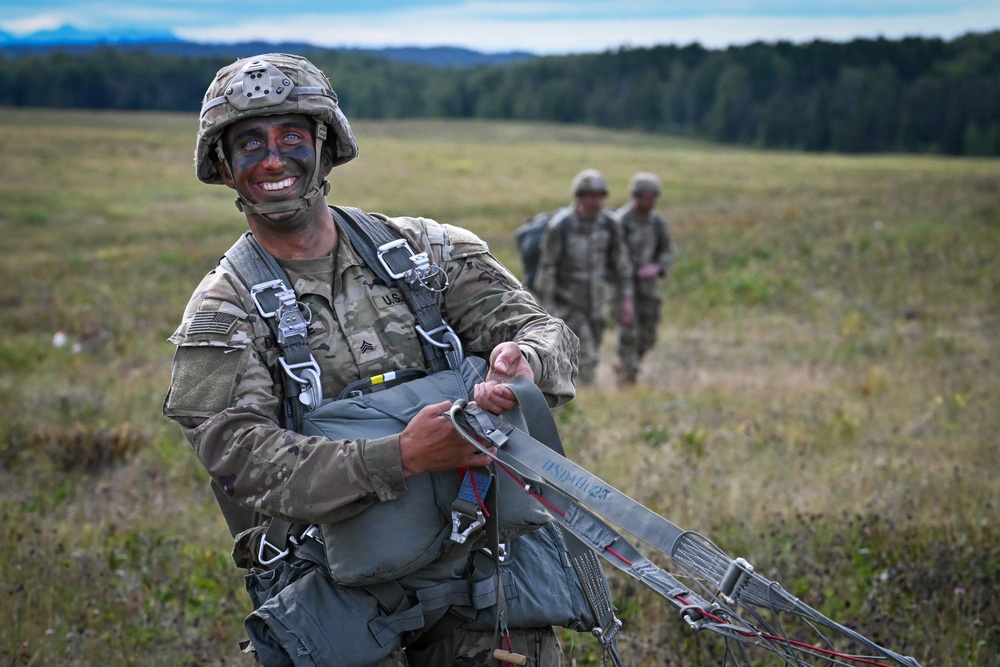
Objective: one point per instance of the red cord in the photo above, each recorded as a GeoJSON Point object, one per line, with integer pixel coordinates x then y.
{"type": "Point", "coordinates": [717, 619]}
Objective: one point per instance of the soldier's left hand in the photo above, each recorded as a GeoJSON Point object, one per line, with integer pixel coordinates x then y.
{"type": "Point", "coordinates": [627, 312]}
{"type": "Point", "coordinates": [506, 362]}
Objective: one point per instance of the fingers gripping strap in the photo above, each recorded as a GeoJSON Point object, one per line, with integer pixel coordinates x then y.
{"type": "Point", "coordinates": [536, 413]}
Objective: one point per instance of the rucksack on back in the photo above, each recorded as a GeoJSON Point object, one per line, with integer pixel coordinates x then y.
{"type": "Point", "coordinates": [529, 240]}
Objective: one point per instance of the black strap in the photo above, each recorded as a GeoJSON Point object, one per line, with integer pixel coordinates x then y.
{"type": "Point", "coordinates": [261, 274]}
{"type": "Point", "coordinates": [383, 250]}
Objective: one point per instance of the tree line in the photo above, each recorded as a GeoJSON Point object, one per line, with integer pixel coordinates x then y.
{"type": "Point", "coordinates": [916, 95]}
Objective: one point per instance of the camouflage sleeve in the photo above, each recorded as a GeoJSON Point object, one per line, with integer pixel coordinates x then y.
{"type": "Point", "coordinates": [228, 405]}
{"type": "Point", "coordinates": [620, 262]}
{"type": "Point", "coordinates": [547, 273]}
{"type": "Point", "coordinates": [487, 305]}
{"type": "Point", "coordinates": [666, 255]}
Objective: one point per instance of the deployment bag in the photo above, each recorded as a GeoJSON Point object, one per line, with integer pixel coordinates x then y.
{"type": "Point", "coordinates": [391, 539]}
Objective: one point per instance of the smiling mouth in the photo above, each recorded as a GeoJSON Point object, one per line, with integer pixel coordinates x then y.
{"type": "Point", "coordinates": [278, 185]}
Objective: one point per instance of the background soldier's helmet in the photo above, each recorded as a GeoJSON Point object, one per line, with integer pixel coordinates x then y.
{"type": "Point", "coordinates": [643, 182]}
{"type": "Point", "coordinates": [588, 180]}
{"type": "Point", "coordinates": [266, 85]}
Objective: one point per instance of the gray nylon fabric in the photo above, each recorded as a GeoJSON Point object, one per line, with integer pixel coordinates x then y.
{"type": "Point", "coordinates": [406, 535]}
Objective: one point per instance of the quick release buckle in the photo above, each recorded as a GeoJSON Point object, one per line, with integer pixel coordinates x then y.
{"type": "Point", "coordinates": [459, 532]}
{"type": "Point", "coordinates": [271, 289]}
{"type": "Point", "coordinates": [275, 300]}
{"type": "Point", "coordinates": [413, 267]}
{"type": "Point", "coordinates": [266, 546]}
{"type": "Point", "coordinates": [306, 373]}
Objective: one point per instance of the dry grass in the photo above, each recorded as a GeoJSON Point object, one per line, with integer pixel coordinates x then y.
{"type": "Point", "coordinates": [824, 398]}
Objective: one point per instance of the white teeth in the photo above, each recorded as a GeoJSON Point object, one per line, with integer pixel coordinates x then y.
{"type": "Point", "coordinates": [280, 185]}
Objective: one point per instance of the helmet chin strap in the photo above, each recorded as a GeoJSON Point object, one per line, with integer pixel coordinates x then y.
{"type": "Point", "coordinates": [320, 187]}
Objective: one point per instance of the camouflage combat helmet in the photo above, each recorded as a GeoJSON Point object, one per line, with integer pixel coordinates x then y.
{"type": "Point", "coordinates": [643, 182]}
{"type": "Point", "coordinates": [267, 85]}
{"type": "Point", "coordinates": [588, 180]}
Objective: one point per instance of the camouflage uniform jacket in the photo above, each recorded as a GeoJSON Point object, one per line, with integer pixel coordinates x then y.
{"type": "Point", "coordinates": [226, 387]}
{"type": "Point", "coordinates": [574, 267]}
{"type": "Point", "coordinates": [649, 240]}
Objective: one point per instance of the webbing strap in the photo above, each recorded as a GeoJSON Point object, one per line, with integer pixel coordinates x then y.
{"type": "Point", "coordinates": [585, 489]}
{"type": "Point", "coordinates": [537, 417]}
{"type": "Point", "coordinates": [276, 302]}
{"type": "Point", "coordinates": [401, 616]}
{"type": "Point", "coordinates": [274, 298]}
{"type": "Point", "coordinates": [392, 260]}
{"type": "Point", "coordinates": [580, 501]}
{"type": "Point", "coordinates": [584, 504]}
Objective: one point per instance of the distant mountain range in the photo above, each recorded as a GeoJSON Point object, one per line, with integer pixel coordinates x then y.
{"type": "Point", "coordinates": [70, 35]}
{"type": "Point", "coordinates": [68, 38]}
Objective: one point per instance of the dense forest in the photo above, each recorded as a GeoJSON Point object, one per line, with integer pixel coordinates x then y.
{"type": "Point", "coordinates": [867, 95]}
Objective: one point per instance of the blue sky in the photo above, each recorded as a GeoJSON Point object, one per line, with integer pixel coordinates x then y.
{"type": "Point", "coordinates": [538, 26]}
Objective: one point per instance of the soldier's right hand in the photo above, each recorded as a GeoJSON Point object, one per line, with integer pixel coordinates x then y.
{"type": "Point", "coordinates": [430, 442]}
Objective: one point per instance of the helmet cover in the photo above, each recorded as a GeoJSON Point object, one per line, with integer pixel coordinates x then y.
{"type": "Point", "coordinates": [589, 180]}
{"type": "Point", "coordinates": [643, 182]}
{"type": "Point", "coordinates": [267, 85]}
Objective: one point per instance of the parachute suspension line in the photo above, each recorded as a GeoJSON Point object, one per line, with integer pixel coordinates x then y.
{"type": "Point", "coordinates": [743, 607]}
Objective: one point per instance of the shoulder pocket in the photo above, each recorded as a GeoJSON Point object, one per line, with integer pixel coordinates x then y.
{"type": "Point", "coordinates": [203, 379]}
{"type": "Point", "coordinates": [210, 349]}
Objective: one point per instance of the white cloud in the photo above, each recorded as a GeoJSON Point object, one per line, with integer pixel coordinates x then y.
{"type": "Point", "coordinates": [538, 26]}
{"type": "Point", "coordinates": [436, 27]}
{"type": "Point", "coordinates": [30, 24]}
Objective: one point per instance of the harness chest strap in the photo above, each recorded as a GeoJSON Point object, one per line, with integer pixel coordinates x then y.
{"type": "Point", "coordinates": [394, 261]}
{"type": "Point", "coordinates": [277, 304]}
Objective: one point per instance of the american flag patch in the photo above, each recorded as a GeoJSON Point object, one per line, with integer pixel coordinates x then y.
{"type": "Point", "coordinates": [211, 322]}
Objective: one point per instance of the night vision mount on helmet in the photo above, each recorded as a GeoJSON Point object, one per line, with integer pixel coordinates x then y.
{"type": "Point", "coordinates": [268, 85]}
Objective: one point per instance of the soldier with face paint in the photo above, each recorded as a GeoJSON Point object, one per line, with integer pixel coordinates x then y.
{"type": "Point", "coordinates": [271, 129]}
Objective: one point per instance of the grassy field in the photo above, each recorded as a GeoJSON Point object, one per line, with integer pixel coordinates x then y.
{"type": "Point", "coordinates": [824, 399]}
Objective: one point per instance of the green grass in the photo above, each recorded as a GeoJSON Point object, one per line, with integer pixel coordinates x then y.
{"type": "Point", "coordinates": [823, 400]}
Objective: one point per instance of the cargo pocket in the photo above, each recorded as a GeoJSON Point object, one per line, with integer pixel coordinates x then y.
{"type": "Point", "coordinates": [311, 621]}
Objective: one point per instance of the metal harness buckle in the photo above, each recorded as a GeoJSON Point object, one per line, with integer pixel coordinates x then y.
{"type": "Point", "coordinates": [308, 378]}
{"type": "Point", "coordinates": [421, 270]}
{"type": "Point", "coordinates": [275, 286]}
{"type": "Point", "coordinates": [264, 547]}
{"type": "Point", "coordinates": [460, 534]}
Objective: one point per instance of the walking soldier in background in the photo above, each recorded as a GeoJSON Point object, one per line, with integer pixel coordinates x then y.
{"type": "Point", "coordinates": [651, 250]}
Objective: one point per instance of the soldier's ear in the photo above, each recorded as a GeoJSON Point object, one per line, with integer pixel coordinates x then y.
{"type": "Point", "coordinates": [225, 174]}
{"type": "Point", "coordinates": [328, 157]}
